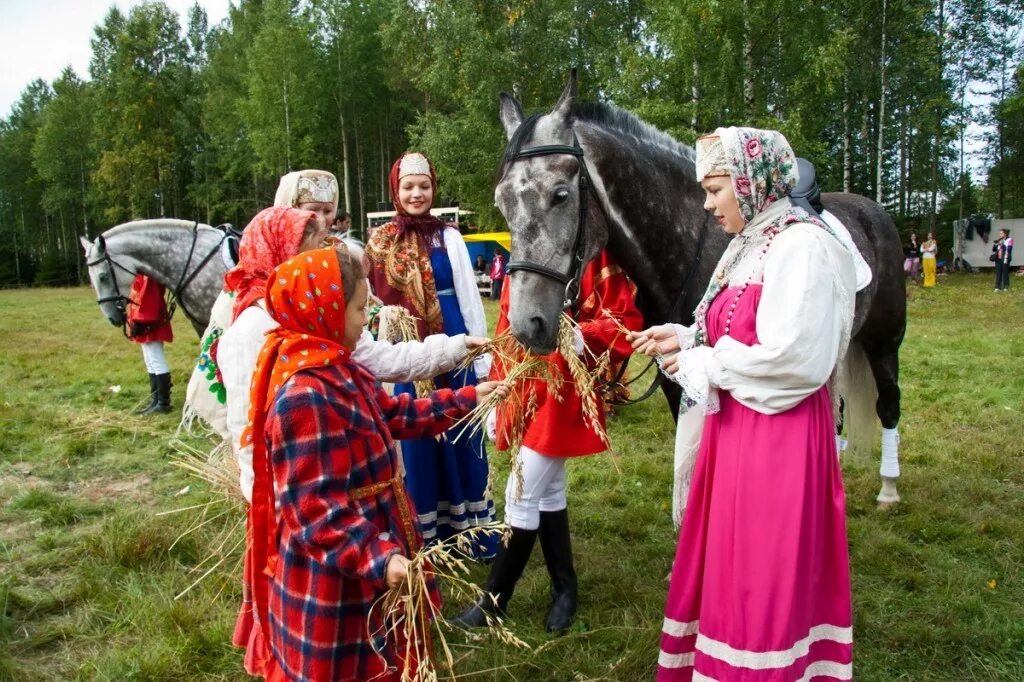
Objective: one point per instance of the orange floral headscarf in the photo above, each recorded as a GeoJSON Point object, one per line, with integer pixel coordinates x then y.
{"type": "Point", "coordinates": [271, 238]}
{"type": "Point", "coordinates": [305, 296]}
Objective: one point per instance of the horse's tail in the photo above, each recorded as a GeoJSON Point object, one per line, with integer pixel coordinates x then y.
{"type": "Point", "coordinates": [859, 392]}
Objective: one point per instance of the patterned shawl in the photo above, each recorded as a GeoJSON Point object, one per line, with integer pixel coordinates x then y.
{"type": "Point", "coordinates": [272, 237]}
{"type": "Point", "coordinates": [305, 296]}
{"type": "Point", "coordinates": [398, 259]}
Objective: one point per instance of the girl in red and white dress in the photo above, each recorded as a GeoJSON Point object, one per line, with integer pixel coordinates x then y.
{"type": "Point", "coordinates": [150, 327]}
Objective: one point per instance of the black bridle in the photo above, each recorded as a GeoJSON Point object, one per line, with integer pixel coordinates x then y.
{"type": "Point", "coordinates": [175, 296]}
{"type": "Point", "coordinates": [570, 278]}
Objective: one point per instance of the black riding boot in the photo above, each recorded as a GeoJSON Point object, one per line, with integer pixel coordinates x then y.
{"type": "Point", "coordinates": [501, 581]}
{"type": "Point", "coordinates": [146, 409]}
{"type": "Point", "coordinates": [557, 547]}
{"type": "Point", "coordinates": [162, 404]}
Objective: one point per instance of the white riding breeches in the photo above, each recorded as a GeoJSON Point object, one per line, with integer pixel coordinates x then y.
{"type": "Point", "coordinates": [153, 356]}
{"type": "Point", "coordinates": [543, 489]}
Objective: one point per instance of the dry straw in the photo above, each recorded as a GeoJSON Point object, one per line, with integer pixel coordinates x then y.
{"type": "Point", "coordinates": [218, 468]}
{"type": "Point", "coordinates": [522, 366]}
{"type": "Point", "coordinates": [396, 326]}
{"type": "Point", "coordinates": [407, 617]}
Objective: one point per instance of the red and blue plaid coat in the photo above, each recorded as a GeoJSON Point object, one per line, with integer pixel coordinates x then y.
{"type": "Point", "coordinates": [342, 513]}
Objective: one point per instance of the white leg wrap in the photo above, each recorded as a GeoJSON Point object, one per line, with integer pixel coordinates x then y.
{"type": "Point", "coordinates": [840, 444]}
{"type": "Point", "coordinates": [890, 453]}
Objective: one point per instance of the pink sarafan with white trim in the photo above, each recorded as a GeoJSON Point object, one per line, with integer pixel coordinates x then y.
{"type": "Point", "coordinates": [760, 589]}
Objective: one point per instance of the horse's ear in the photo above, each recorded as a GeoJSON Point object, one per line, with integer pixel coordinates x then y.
{"type": "Point", "coordinates": [563, 107]}
{"type": "Point", "coordinates": [86, 244]}
{"type": "Point", "coordinates": [511, 113]}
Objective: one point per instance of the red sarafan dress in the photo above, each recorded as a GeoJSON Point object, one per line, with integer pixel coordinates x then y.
{"type": "Point", "coordinates": [147, 312]}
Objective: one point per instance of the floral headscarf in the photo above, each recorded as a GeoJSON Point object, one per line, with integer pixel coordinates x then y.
{"type": "Point", "coordinates": [306, 298]}
{"type": "Point", "coordinates": [398, 254]}
{"type": "Point", "coordinates": [761, 163]}
{"type": "Point", "coordinates": [763, 170]}
{"type": "Point", "coordinates": [271, 238]}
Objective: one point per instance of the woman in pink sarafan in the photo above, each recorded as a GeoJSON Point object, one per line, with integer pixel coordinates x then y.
{"type": "Point", "coordinates": [760, 587]}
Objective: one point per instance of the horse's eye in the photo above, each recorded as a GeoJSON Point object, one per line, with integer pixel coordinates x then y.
{"type": "Point", "coordinates": [561, 195]}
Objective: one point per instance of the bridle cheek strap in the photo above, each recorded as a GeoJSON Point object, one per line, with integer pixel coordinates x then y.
{"type": "Point", "coordinates": [571, 278]}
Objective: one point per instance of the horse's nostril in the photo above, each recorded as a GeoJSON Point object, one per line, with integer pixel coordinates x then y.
{"type": "Point", "coordinates": [538, 328]}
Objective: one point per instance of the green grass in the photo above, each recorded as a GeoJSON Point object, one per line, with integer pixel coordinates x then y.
{"type": "Point", "coordinates": [88, 571]}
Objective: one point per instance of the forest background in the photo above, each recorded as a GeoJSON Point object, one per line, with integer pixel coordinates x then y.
{"type": "Point", "coordinates": [181, 119]}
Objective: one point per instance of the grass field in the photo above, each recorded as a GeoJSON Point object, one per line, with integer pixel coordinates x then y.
{"type": "Point", "coordinates": [89, 571]}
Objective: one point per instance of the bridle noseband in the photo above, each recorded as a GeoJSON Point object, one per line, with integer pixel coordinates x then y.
{"type": "Point", "coordinates": [571, 278]}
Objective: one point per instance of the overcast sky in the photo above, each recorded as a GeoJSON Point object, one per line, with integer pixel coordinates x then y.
{"type": "Point", "coordinates": [38, 38]}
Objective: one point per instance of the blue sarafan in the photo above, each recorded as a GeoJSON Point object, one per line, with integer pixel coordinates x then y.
{"type": "Point", "coordinates": [588, 176]}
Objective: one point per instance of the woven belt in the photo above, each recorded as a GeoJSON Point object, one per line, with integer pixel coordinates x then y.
{"type": "Point", "coordinates": [450, 291]}
{"type": "Point", "coordinates": [402, 499]}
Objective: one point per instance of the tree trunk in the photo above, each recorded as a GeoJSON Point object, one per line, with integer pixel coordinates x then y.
{"type": "Point", "coordinates": [287, 128]}
{"type": "Point", "coordinates": [939, 115]}
{"type": "Point", "coordinates": [748, 62]}
{"type": "Point", "coordinates": [847, 139]}
{"type": "Point", "coordinates": [880, 151]}
{"type": "Point", "coordinates": [346, 182]}
{"type": "Point", "coordinates": [359, 186]}
{"type": "Point", "coordinates": [903, 167]}
{"type": "Point", "coordinates": [695, 95]}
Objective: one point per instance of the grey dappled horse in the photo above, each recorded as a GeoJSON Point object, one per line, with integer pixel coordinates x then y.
{"type": "Point", "coordinates": [640, 199]}
{"type": "Point", "coordinates": [182, 255]}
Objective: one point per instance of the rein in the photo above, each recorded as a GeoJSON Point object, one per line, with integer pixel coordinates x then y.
{"type": "Point", "coordinates": [175, 297]}
{"type": "Point", "coordinates": [571, 278]}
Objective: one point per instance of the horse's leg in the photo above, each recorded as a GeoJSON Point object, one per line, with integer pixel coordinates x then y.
{"type": "Point", "coordinates": [884, 361]}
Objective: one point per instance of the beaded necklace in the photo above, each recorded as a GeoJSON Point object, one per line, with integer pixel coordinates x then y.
{"type": "Point", "coordinates": [770, 233]}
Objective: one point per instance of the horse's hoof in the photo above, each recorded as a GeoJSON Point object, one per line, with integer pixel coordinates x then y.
{"type": "Point", "coordinates": [888, 497]}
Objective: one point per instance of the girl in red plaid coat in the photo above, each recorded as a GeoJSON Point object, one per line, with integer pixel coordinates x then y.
{"type": "Point", "coordinates": [322, 434]}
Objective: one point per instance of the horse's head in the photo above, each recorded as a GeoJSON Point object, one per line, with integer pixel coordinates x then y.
{"type": "Point", "coordinates": [111, 280]}
{"type": "Point", "coordinates": [539, 195]}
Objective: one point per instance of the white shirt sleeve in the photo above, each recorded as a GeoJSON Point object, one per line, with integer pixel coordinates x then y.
{"type": "Point", "coordinates": [466, 292]}
{"type": "Point", "coordinates": [237, 352]}
{"type": "Point", "coordinates": [409, 360]}
{"type": "Point", "coordinates": [799, 327]}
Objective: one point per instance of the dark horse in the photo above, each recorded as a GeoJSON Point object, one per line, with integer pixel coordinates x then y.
{"type": "Point", "coordinates": [638, 196]}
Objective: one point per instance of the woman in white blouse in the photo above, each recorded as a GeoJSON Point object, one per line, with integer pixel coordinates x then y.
{"type": "Point", "coordinates": [760, 587]}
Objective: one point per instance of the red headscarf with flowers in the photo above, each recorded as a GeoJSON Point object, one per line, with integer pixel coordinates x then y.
{"type": "Point", "coordinates": [305, 296]}
{"type": "Point", "coordinates": [398, 254]}
{"type": "Point", "coordinates": [271, 238]}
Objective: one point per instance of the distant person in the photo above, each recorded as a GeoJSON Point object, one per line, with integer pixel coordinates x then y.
{"type": "Point", "coordinates": [1002, 249]}
{"type": "Point", "coordinates": [480, 265]}
{"type": "Point", "coordinates": [497, 276]}
{"type": "Point", "coordinates": [150, 327]}
{"type": "Point", "coordinates": [929, 250]}
{"type": "Point", "coordinates": [912, 258]}
{"type": "Point", "coordinates": [342, 224]}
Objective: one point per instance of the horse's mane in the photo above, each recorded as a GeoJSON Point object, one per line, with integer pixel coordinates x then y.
{"type": "Point", "coordinates": [164, 223]}
{"type": "Point", "coordinates": [607, 116]}
{"type": "Point", "coordinates": [611, 116]}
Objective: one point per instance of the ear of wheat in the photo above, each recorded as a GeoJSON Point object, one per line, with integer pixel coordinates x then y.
{"type": "Point", "coordinates": [409, 618]}
{"type": "Point", "coordinates": [396, 326]}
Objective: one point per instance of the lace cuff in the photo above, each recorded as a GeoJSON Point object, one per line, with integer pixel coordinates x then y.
{"type": "Point", "coordinates": [692, 376]}
{"type": "Point", "coordinates": [685, 335]}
